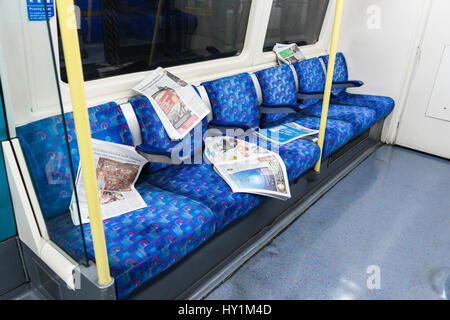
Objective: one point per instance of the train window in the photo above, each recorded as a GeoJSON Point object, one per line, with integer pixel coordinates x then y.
{"type": "Point", "coordinates": [120, 37]}
{"type": "Point", "coordinates": [298, 21]}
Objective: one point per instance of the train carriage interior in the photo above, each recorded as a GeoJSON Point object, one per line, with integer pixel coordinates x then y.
{"type": "Point", "coordinates": [362, 206]}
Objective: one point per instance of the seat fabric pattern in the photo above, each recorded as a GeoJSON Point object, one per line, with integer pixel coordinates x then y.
{"type": "Point", "coordinates": [45, 150]}
{"type": "Point", "coordinates": [201, 183]}
{"type": "Point", "coordinates": [382, 105]}
{"type": "Point", "coordinates": [360, 118]}
{"type": "Point", "coordinates": [311, 78]}
{"type": "Point", "coordinates": [154, 134]}
{"type": "Point", "coordinates": [337, 134]}
{"type": "Point", "coordinates": [278, 87]}
{"type": "Point", "coordinates": [340, 71]}
{"type": "Point", "coordinates": [234, 100]}
{"type": "Point", "coordinates": [143, 243]}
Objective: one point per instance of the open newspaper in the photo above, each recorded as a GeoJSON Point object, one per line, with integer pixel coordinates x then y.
{"type": "Point", "coordinates": [117, 168]}
{"type": "Point", "coordinates": [288, 53]}
{"type": "Point", "coordinates": [247, 168]}
{"type": "Point", "coordinates": [176, 103]}
{"type": "Point", "coordinates": [285, 133]}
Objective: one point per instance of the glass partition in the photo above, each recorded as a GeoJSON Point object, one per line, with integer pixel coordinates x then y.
{"type": "Point", "coordinates": [295, 21]}
{"type": "Point", "coordinates": [120, 37]}
{"type": "Point", "coordinates": [45, 132]}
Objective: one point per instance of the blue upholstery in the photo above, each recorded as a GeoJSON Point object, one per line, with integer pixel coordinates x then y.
{"type": "Point", "coordinates": [337, 134]}
{"type": "Point", "coordinates": [200, 182]}
{"type": "Point", "coordinates": [278, 87]}
{"type": "Point", "coordinates": [45, 150]}
{"type": "Point", "coordinates": [340, 71]}
{"type": "Point", "coordinates": [311, 78]}
{"type": "Point", "coordinates": [360, 118]}
{"type": "Point", "coordinates": [143, 243]}
{"type": "Point", "coordinates": [154, 134]}
{"type": "Point", "coordinates": [382, 105]}
{"type": "Point", "coordinates": [234, 100]}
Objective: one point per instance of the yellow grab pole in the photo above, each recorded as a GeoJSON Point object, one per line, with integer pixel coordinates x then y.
{"type": "Point", "coordinates": [329, 81]}
{"type": "Point", "coordinates": [72, 56]}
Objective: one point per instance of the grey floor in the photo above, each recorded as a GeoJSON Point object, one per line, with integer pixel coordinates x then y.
{"type": "Point", "coordinates": [386, 225]}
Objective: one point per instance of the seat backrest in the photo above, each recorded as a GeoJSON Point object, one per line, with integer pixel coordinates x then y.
{"type": "Point", "coordinates": [234, 100]}
{"type": "Point", "coordinates": [278, 87]}
{"type": "Point", "coordinates": [311, 78]}
{"type": "Point", "coordinates": [154, 134]}
{"type": "Point", "coordinates": [340, 70]}
{"type": "Point", "coordinates": [45, 150]}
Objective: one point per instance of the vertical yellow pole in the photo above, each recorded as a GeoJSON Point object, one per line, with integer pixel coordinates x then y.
{"type": "Point", "coordinates": [329, 81]}
{"type": "Point", "coordinates": [72, 56]}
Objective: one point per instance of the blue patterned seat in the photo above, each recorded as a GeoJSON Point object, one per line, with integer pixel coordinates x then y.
{"type": "Point", "coordinates": [200, 182]}
{"type": "Point", "coordinates": [381, 104]}
{"type": "Point", "coordinates": [360, 118]}
{"type": "Point", "coordinates": [142, 243]}
{"type": "Point", "coordinates": [154, 134]}
{"type": "Point", "coordinates": [311, 80]}
{"type": "Point", "coordinates": [337, 134]}
{"type": "Point", "coordinates": [278, 88]}
{"type": "Point", "coordinates": [234, 100]}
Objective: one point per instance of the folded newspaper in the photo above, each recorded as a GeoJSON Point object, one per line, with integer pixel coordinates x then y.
{"type": "Point", "coordinates": [117, 169]}
{"type": "Point", "coordinates": [288, 53]}
{"type": "Point", "coordinates": [176, 103]}
{"type": "Point", "coordinates": [247, 168]}
{"type": "Point", "coordinates": [286, 133]}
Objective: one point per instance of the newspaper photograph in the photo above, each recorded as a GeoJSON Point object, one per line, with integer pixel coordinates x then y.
{"type": "Point", "coordinates": [176, 103]}
{"type": "Point", "coordinates": [247, 168]}
{"type": "Point", "coordinates": [288, 53]}
{"type": "Point", "coordinates": [285, 133]}
{"type": "Point", "coordinates": [117, 169]}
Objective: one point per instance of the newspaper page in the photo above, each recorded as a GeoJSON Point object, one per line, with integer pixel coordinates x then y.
{"type": "Point", "coordinates": [176, 103]}
{"type": "Point", "coordinates": [288, 53]}
{"type": "Point", "coordinates": [285, 133]}
{"type": "Point", "coordinates": [247, 168]}
{"type": "Point", "coordinates": [117, 169]}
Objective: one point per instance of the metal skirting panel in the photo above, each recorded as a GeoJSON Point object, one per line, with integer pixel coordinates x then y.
{"type": "Point", "coordinates": [12, 273]}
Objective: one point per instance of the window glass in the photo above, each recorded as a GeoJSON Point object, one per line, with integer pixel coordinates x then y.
{"type": "Point", "coordinates": [298, 21]}
{"type": "Point", "coordinates": [119, 36]}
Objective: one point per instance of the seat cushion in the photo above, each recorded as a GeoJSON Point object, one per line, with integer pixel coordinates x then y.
{"type": "Point", "coordinates": [278, 87]}
{"type": "Point", "coordinates": [383, 106]}
{"type": "Point", "coordinates": [143, 243]}
{"type": "Point", "coordinates": [337, 134]}
{"type": "Point", "coordinates": [360, 118]}
{"type": "Point", "coordinates": [340, 71]}
{"type": "Point", "coordinates": [311, 78]}
{"type": "Point", "coordinates": [201, 183]}
{"type": "Point", "coordinates": [234, 100]}
{"type": "Point", "coordinates": [46, 152]}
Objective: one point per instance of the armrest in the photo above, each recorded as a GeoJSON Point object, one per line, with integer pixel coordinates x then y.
{"type": "Point", "coordinates": [226, 125]}
{"type": "Point", "coordinates": [348, 84]}
{"type": "Point", "coordinates": [281, 108]}
{"type": "Point", "coordinates": [336, 85]}
{"type": "Point", "coordinates": [151, 150]}
{"type": "Point", "coordinates": [160, 155]}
